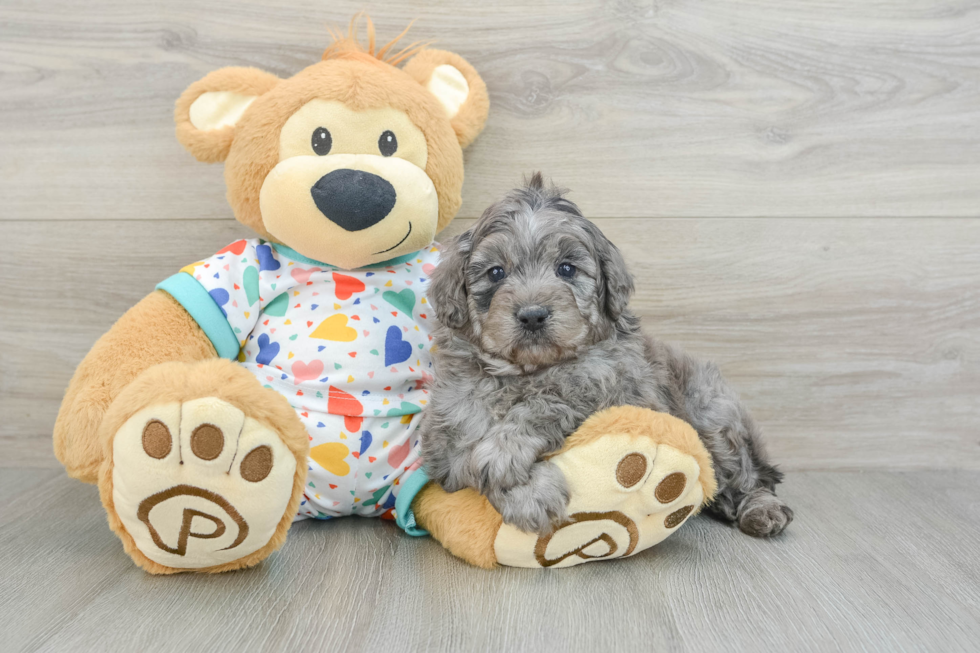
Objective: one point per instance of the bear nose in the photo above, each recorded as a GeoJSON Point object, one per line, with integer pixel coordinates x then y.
{"type": "Point", "coordinates": [532, 318]}
{"type": "Point", "coordinates": [353, 199]}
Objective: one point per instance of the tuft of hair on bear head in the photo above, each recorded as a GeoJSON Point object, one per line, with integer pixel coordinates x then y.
{"type": "Point", "coordinates": [345, 45]}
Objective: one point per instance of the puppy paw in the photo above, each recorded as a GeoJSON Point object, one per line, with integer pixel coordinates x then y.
{"type": "Point", "coordinates": [198, 484]}
{"type": "Point", "coordinates": [539, 505]}
{"type": "Point", "coordinates": [762, 514]}
{"type": "Point", "coordinates": [631, 485]}
{"type": "Point", "coordinates": [531, 517]}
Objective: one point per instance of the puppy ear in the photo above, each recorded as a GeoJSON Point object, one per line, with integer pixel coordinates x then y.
{"type": "Point", "coordinates": [457, 86]}
{"type": "Point", "coordinates": [617, 282]}
{"type": "Point", "coordinates": [447, 290]}
{"type": "Point", "coordinates": [206, 113]}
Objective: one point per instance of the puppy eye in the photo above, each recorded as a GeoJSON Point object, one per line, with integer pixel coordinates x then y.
{"type": "Point", "coordinates": [321, 141]}
{"type": "Point", "coordinates": [566, 270]}
{"type": "Point", "coordinates": [388, 144]}
{"type": "Point", "coordinates": [496, 274]}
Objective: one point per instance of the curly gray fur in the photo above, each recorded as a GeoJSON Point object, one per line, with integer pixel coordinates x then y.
{"type": "Point", "coordinates": [505, 393]}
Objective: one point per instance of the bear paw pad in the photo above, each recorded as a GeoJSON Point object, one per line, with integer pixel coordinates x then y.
{"type": "Point", "coordinates": [627, 494]}
{"type": "Point", "coordinates": [198, 484]}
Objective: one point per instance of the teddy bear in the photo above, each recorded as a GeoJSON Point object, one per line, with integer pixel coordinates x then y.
{"type": "Point", "coordinates": [284, 377]}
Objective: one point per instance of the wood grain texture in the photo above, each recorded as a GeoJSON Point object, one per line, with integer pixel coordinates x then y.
{"type": "Point", "coordinates": [856, 342]}
{"type": "Point", "coordinates": [646, 107]}
{"type": "Point", "coordinates": [873, 562]}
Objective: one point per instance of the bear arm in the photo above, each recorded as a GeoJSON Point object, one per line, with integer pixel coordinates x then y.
{"type": "Point", "coordinates": [674, 481]}
{"type": "Point", "coordinates": [156, 330]}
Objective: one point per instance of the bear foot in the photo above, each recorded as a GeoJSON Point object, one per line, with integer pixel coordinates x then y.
{"type": "Point", "coordinates": [200, 484]}
{"type": "Point", "coordinates": [634, 477]}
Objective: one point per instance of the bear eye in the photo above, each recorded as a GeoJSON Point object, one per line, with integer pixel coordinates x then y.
{"type": "Point", "coordinates": [321, 141]}
{"type": "Point", "coordinates": [566, 270]}
{"type": "Point", "coordinates": [496, 274]}
{"type": "Point", "coordinates": [388, 144]}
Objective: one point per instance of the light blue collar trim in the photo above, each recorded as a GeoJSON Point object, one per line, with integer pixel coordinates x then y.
{"type": "Point", "coordinates": [296, 256]}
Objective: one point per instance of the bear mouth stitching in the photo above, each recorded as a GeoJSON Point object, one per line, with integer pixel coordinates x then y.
{"type": "Point", "coordinates": [399, 242]}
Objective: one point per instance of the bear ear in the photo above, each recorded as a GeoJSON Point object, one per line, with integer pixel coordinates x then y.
{"type": "Point", "coordinates": [458, 87]}
{"type": "Point", "coordinates": [207, 111]}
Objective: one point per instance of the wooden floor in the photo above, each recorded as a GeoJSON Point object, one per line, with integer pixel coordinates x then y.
{"type": "Point", "coordinates": [796, 185]}
{"type": "Point", "coordinates": [876, 561]}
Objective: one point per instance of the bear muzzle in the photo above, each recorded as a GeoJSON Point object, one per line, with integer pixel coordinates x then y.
{"type": "Point", "coordinates": [349, 210]}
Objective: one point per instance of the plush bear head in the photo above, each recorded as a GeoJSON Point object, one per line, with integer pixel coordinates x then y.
{"type": "Point", "coordinates": [351, 161]}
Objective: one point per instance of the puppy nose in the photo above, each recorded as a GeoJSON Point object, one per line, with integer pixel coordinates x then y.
{"type": "Point", "coordinates": [353, 199]}
{"type": "Point", "coordinates": [533, 318]}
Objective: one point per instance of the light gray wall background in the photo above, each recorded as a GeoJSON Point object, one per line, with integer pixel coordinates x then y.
{"type": "Point", "coordinates": [795, 185]}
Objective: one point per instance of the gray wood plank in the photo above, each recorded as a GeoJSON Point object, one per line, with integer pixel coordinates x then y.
{"type": "Point", "coordinates": [17, 481]}
{"type": "Point", "coordinates": [681, 108]}
{"type": "Point", "coordinates": [854, 341]}
{"type": "Point", "coordinates": [874, 562]}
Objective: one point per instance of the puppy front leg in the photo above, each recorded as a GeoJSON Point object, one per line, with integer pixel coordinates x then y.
{"type": "Point", "coordinates": [529, 494]}
{"type": "Point", "coordinates": [746, 478]}
{"type": "Point", "coordinates": [538, 505]}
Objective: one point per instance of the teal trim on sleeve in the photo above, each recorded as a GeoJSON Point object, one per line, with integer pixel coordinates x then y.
{"type": "Point", "coordinates": [404, 516]}
{"type": "Point", "coordinates": [296, 256]}
{"type": "Point", "coordinates": [189, 292]}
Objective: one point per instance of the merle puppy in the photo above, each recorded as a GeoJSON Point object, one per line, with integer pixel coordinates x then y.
{"type": "Point", "coordinates": [535, 336]}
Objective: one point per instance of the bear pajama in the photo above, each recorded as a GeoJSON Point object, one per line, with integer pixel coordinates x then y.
{"type": "Point", "coordinates": [349, 350]}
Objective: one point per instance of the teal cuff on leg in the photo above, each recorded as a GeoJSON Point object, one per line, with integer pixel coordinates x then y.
{"type": "Point", "coordinates": [404, 516]}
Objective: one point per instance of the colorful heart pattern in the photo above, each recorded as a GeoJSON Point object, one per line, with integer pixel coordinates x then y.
{"type": "Point", "coordinates": [220, 297]}
{"type": "Point", "coordinates": [267, 350]}
{"type": "Point", "coordinates": [396, 349]}
{"type": "Point", "coordinates": [236, 247]}
{"type": "Point", "coordinates": [404, 301]}
{"type": "Point", "coordinates": [349, 349]}
{"type": "Point", "coordinates": [266, 260]}
{"type": "Point", "coordinates": [301, 275]}
{"type": "Point", "coordinates": [330, 456]}
{"type": "Point", "coordinates": [277, 307]}
{"type": "Point", "coordinates": [335, 328]}
{"type": "Point", "coordinates": [397, 455]}
{"type": "Point", "coordinates": [345, 285]}
{"type": "Point", "coordinates": [250, 279]}
{"type": "Point", "coordinates": [343, 403]}
{"type": "Point", "coordinates": [306, 371]}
